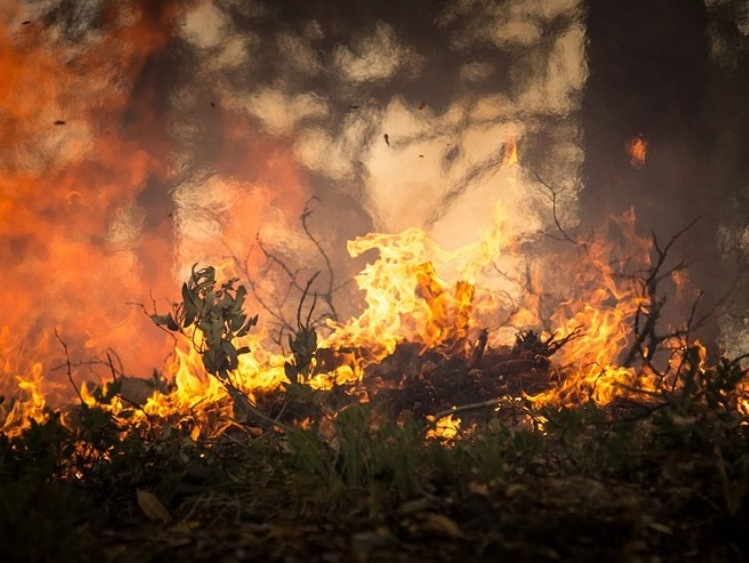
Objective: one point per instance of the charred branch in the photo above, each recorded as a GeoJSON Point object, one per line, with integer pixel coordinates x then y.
{"type": "Point", "coordinates": [69, 369]}
{"type": "Point", "coordinates": [647, 340]}
{"type": "Point", "coordinates": [552, 194]}
{"type": "Point", "coordinates": [326, 296]}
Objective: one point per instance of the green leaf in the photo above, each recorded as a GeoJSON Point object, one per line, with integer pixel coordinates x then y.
{"type": "Point", "coordinates": [239, 299]}
{"type": "Point", "coordinates": [165, 320]}
{"type": "Point", "coordinates": [210, 299]}
{"type": "Point", "coordinates": [190, 316]}
{"type": "Point", "coordinates": [112, 390]}
{"type": "Point", "coordinates": [291, 372]}
{"type": "Point", "coordinates": [230, 355]}
{"type": "Point", "coordinates": [236, 322]}
{"type": "Point", "coordinates": [310, 341]}
{"type": "Point", "coordinates": [215, 331]}
{"type": "Point", "coordinates": [205, 327]}
{"type": "Point", "coordinates": [244, 330]}
{"type": "Point", "coordinates": [212, 360]}
{"type": "Point", "coordinates": [187, 297]}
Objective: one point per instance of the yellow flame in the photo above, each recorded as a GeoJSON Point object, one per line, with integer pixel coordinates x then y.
{"type": "Point", "coordinates": [28, 404]}
{"type": "Point", "coordinates": [445, 428]}
{"type": "Point", "coordinates": [417, 291]}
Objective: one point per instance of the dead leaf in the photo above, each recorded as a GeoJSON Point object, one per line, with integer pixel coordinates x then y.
{"type": "Point", "coordinates": [416, 505]}
{"type": "Point", "coordinates": [442, 524]}
{"type": "Point", "coordinates": [514, 488]}
{"type": "Point", "coordinates": [152, 507]}
{"type": "Point", "coordinates": [478, 488]}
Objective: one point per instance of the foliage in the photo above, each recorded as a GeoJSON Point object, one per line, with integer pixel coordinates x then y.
{"type": "Point", "coordinates": [364, 470]}
{"type": "Point", "coordinates": [360, 469]}
{"type": "Point", "coordinates": [217, 313]}
{"type": "Point", "coordinates": [303, 343]}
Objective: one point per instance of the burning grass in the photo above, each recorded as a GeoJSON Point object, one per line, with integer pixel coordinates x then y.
{"type": "Point", "coordinates": [448, 420]}
{"type": "Point", "coordinates": [630, 480]}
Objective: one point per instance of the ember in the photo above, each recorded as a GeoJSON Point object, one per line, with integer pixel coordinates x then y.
{"type": "Point", "coordinates": [637, 149]}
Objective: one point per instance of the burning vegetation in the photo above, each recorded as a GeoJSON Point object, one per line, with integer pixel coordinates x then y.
{"type": "Point", "coordinates": [521, 388]}
{"type": "Point", "coordinates": [516, 371]}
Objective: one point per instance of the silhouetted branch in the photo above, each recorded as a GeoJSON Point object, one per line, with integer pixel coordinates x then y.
{"type": "Point", "coordinates": [647, 338]}
{"type": "Point", "coordinates": [328, 295]}
{"type": "Point", "coordinates": [552, 195]}
{"type": "Point", "coordinates": [69, 368]}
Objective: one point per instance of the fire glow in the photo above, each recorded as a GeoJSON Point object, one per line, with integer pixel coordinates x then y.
{"type": "Point", "coordinates": [578, 305]}
{"type": "Point", "coordinates": [408, 302]}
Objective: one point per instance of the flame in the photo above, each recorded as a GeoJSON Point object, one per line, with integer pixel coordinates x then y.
{"type": "Point", "coordinates": [511, 153]}
{"type": "Point", "coordinates": [598, 317]}
{"type": "Point", "coordinates": [415, 290]}
{"type": "Point", "coordinates": [444, 428]}
{"type": "Point", "coordinates": [29, 402]}
{"type": "Point", "coordinates": [637, 149]}
{"type": "Point", "coordinates": [406, 299]}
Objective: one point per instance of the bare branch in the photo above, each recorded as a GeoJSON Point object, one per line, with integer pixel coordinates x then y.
{"type": "Point", "coordinates": [69, 368]}
{"type": "Point", "coordinates": [552, 195]}
{"type": "Point", "coordinates": [328, 295]}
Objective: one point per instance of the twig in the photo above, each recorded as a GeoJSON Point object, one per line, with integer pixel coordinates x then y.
{"type": "Point", "coordinates": [468, 407]}
{"type": "Point", "coordinates": [647, 340]}
{"type": "Point", "coordinates": [172, 335]}
{"type": "Point", "coordinates": [479, 349]}
{"type": "Point", "coordinates": [275, 260]}
{"type": "Point", "coordinates": [122, 397]}
{"type": "Point", "coordinates": [69, 368]}
{"type": "Point", "coordinates": [328, 295]}
{"type": "Point", "coordinates": [305, 292]}
{"type": "Point", "coordinates": [553, 197]}
{"type": "Point", "coordinates": [244, 400]}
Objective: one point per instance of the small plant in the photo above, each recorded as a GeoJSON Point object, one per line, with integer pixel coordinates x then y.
{"type": "Point", "coordinates": [303, 343]}
{"type": "Point", "coordinates": [215, 312]}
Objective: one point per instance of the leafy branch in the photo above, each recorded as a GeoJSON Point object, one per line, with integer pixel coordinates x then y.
{"type": "Point", "coordinates": [217, 314]}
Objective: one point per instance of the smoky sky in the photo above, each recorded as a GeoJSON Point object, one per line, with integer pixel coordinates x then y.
{"type": "Point", "coordinates": [170, 133]}
{"type": "Point", "coordinates": [394, 113]}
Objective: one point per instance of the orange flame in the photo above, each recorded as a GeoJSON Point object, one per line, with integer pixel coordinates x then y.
{"type": "Point", "coordinates": [637, 149]}
{"type": "Point", "coordinates": [511, 153]}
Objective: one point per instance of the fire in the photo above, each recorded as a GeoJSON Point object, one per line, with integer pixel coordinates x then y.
{"type": "Point", "coordinates": [444, 428]}
{"type": "Point", "coordinates": [405, 298]}
{"type": "Point", "coordinates": [72, 173]}
{"type": "Point", "coordinates": [511, 153]}
{"type": "Point", "coordinates": [196, 395]}
{"type": "Point", "coordinates": [447, 301]}
{"type": "Point", "coordinates": [637, 149]}
{"type": "Point", "coordinates": [28, 404]}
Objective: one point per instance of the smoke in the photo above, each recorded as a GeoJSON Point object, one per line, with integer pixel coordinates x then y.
{"type": "Point", "coordinates": [678, 85]}
{"type": "Point", "coordinates": [81, 143]}
{"type": "Point", "coordinates": [393, 121]}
